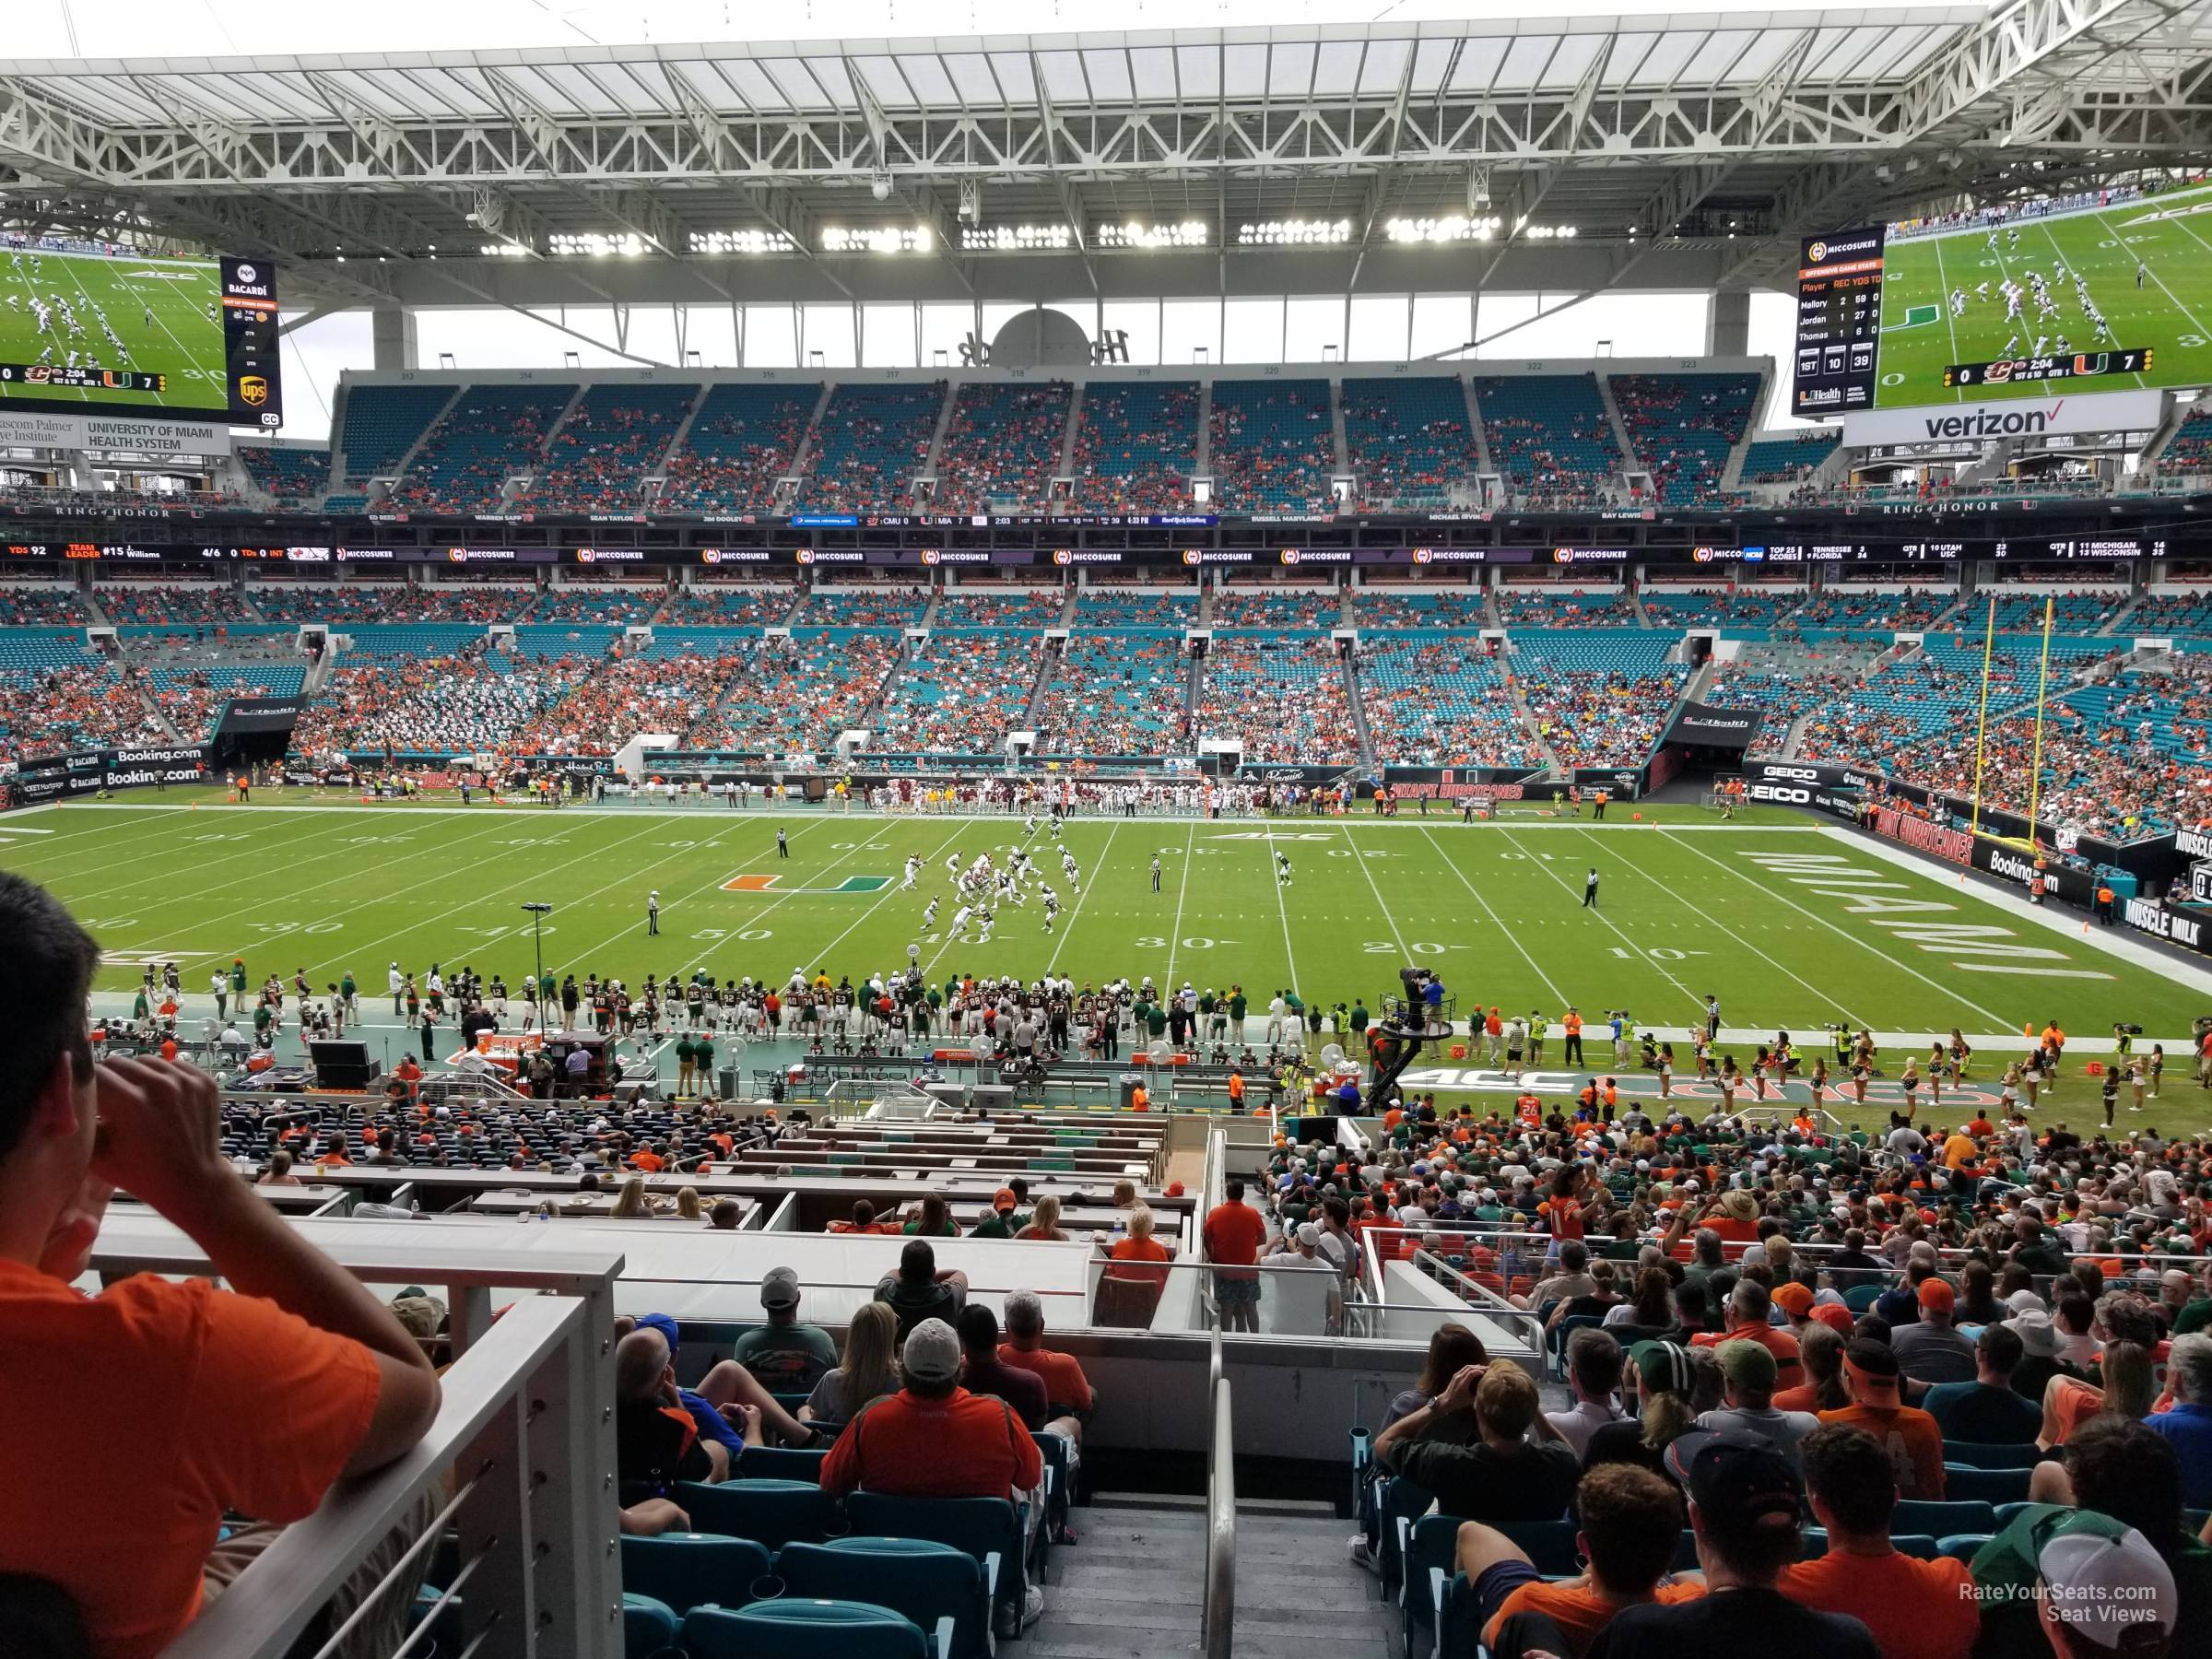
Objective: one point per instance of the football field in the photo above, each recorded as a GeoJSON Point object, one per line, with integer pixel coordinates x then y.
{"type": "Point", "coordinates": [2170, 237]}
{"type": "Point", "coordinates": [159, 309]}
{"type": "Point", "coordinates": [1790, 925]}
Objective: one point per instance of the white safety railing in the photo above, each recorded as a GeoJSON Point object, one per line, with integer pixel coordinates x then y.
{"type": "Point", "coordinates": [520, 1464]}
{"type": "Point", "coordinates": [1218, 1612]}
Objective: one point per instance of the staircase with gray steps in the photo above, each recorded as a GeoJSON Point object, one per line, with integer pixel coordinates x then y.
{"type": "Point", "coordinates": [1133, 1585]}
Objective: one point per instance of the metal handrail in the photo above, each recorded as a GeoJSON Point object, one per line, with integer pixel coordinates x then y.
{"type": "Point", "coordinates": [1220, 1612]}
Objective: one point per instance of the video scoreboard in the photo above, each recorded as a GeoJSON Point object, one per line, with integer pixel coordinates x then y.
{"type": "Point", "coordinates": [1839, 322]}
{"type": "Point", "coordinates": [2072, 365]}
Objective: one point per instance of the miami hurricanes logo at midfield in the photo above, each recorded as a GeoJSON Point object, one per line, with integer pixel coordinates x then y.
{"type": "Point", "coordinates": [773, 884]}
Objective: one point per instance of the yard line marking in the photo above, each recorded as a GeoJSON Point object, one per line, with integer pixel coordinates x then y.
{"type": "Point", "coordinates": [1819, 994]}
{"type": "Point", "coordinates": [1862, 943]}
{"type": "Point", "coordinates": [282, 848]}
{"type": "Point", "coordinates": [1618, 931]}
{"type": "Point", "coordinates": [1267, 863]}
{"type": "Point", "coordinates": [1943, 299]}
{"type": "Point", "coordinates": [1096, 870]}
{"type": "Point", "coordinates": [1557, 995]}
{"type": "Point", "coordinates": [1181, 888]}
{"type": "Point", "coordinates": [928, 862]}
{"type": "Point", "coordinates": [1377, 892]}
{"type": "Point", "coordinates": [2145, 264]}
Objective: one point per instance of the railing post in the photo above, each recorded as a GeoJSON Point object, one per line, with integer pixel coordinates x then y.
{"type": "Point", "coordinates": [495, 1532]}
{"type": "Point", "coordinates": [573, 1495]}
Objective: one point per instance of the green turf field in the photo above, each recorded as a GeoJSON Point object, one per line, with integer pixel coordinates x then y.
{"type": "Point", "coordinates": [182, 341]}
{"type": "Point", "coordinates": [2170, 236]}
{"type": "Point", "coordinates": [1788, 924]}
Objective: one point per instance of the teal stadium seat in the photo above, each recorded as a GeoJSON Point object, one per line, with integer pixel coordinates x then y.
{"type": "Point", "coordinates": [940, 1587]}
{"type": "Point", "coordinates": [686, 1569]}
{"type": "Point", "coordinates": [802, 1630]}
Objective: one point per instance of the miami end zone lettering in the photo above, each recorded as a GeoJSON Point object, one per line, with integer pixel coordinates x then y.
{"type": "Point", "coordinates": [1954, 844]}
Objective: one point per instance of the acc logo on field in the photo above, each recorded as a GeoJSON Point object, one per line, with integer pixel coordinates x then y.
{"type": "Point", "coordinates": [252, 391]}
{"type": "Point", "coordinates": [764, 884]}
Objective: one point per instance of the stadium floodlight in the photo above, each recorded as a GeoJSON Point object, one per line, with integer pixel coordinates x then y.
{"type": "Point", "coordinates": [742, 242]}
{"type": "Point", "coordinates": [879, 239]}
{"type": "Point", "coordinates": [1133, 233]}
{"type": "Point", "coordinates": [597, 244]}
{"type": "Point", "coordinates": [505, 250]}
{"type": "Point", "coordinates": [1293, 233]}
{"type": "Point", "coordinates": [1443, 227]}
{"type": "Point", "coordinates": [1548, 232]}
{"type": "Point", "coordinates": [1015, 239]}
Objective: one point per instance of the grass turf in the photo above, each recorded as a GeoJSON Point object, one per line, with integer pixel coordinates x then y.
{"type": "Point", "coordinates": [2171, 235]}
{"type": "Point", "coordinates": [181, 342]}
{"type": "Point", "coordinates": [1788, 926]}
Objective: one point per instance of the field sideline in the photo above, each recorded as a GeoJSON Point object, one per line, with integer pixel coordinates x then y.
{"type": "Point", "coordinates": [1790, 925]}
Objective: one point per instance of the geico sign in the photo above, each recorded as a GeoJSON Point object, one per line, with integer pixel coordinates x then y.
{"type": "Point", "coordinates": [1803, 774]}
{"type": "Point", "coordinates": [1787, 794]}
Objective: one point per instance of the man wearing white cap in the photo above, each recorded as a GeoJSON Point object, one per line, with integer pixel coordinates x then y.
{"type": "Point", "coordinates": [2101, 1590]}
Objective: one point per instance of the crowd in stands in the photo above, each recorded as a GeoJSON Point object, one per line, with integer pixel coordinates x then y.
{"type": "Point", "coordinates": [2189, 451]}
{"type": "Point", "coordinates": [1439, 702]}
{"type": "Point", "coordinates": [380, 602]}
{"type": "Point", "coordinates": [1783, 698]}
{"type": "Point", "coordinates": [1453, 609]}
{"type": "Point", "coordinates": [742, 440]}
{"type": "Point", "coordinates": [1789, 460]}
{"type": "Point", "coordinates": [1905, 611]}
{"type": "Point", "coordinates": [797, 694]}
{"type": "Point", "coordinates": [87, 706]}
{"type": "Point", "coordinates": [1009, 608]}
{"type": "Point", "coordinates": [729, 604]}
{"type": "Point", "coordinates": [863, 604]}
{"type": "Point", "coordinates": [1278, 608]}
{"type": "Point", "coordinates": [1273, 449]}
{"type": "Point", "coordinates": [1285, 698]}
{"type": "Point", "coordinates": [1136, 445]}
{"type": "Point", "coordinates": [2071, 613]}
{"type": "Point", "coordinates": [471, 702]}
{"type": "Point", "coordinates": [626, 694]}
{"type": "Point", "coordinates": [1408, 441]}
{"type": "Point", "coordinates": [1115, 694]}
{"type": "Point", "coordinates": [1683, 427]}
{"type": "Point", "coordinates": [290, 476]}
{"type": "Point", "coordinates": [872, 444]}
{"type": "Point", "coordinates": [1556, 605]}
{"type": "Point", "coordinates": [599, 458]}
{"type": "Point", "coordinates": [2176, 611]}
{"type": "Point", "coordinates": [191, 604]}
{"type": "Point", "coordinates": [1003, 445]}
{"type": "Point", "coordinates": [1748, 607]}
{"type": "Point", "coordinates": [632, 603]}
{"type": "Point", "coordinates": [1129, 607]}
{"type": "Point", "coordinates": [1549, 438]}
{"type": "Point", "coordinates": [491, 434]}
{"type": "Point", "coordinates": [40, 605]}
{"type": "Point", "coordinates": [1598, 704]}
{"type": "Point", "coordinates": [959, 693]}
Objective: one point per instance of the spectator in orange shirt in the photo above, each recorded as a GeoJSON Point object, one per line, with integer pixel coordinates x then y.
{"type": "Point", "coordinates": [1066, 1389]}
{"type": "Point", "coordinates": [1746, 1318]}
{"type": "Point", "coordinates": [1916, 1609]}
{"type": "Point", "coordinates": [1907, 1435]}
{"type": "Point", "coordinates": [270, 1391]}
{"type": "Point", "coordinates": [1629, 1520]}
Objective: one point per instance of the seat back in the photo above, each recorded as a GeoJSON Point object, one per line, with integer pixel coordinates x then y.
{"type": "Point", "coordinates": [802, 1630]}
{"type": "Point", "coordinates": [1962, 1483]}
{"type": "Point", "coordinates": [686, 1569]}
{"type": "Point", "coordinates": [927, 1582]}
{"type": "Point", "coordinates": [1549, 1545]}
{"type": "Point", "coordinates": [983, 1527]}
{"type": "Point", "coordinates": [1859, 1298]}
{"type": "Point", "coordinates": [1936, 1520]}
{"type": "Point", "coordinates": [780, 1462]}
{"type": "Point", "coordinates": [770, 1512]}
{"type": "Point", "coordinates": [1975, 1455]}
{"type": "Point", "coordinates": [648, 1626]}
{"type": "Point", "coordinates": [1397, 1499]}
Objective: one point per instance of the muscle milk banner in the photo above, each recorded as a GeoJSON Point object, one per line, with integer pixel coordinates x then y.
{"type": "Point", "coordinates": [1704, 727]}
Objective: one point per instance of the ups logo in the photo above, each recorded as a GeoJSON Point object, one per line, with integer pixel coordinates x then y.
{"type": "Point", "coordinates": [252, 391]}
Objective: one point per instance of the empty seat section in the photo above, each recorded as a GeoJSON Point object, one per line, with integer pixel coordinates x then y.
{"type": "Point", "coordinates": [1408, 439]}
{"type": "Point", "coordinates": [615, 435]}
{"type": "Point", "coordinates": [489, 434]}
{"type": "Point", "coordinates": [1682, 427]}
{"type": "Point", "coordinates": [1441, 703]}
{"type": "Point", "coordinates": [961, 694]}
{"type": "Point", "coordinates": [1136, 446]}
{"type": "Point", "coordinates": [1003, 446]}
{"type": "Point", "coordinates": [1787, 460]}
{"type": "Point", "coordinates": [873, 444]}
{"type": "Point", "coordinates": [1284, 697]}
{"type": "Point", "coordinates": [292, 476]}
{"type": "Point", "coordinates": [1548, 436]}
{"type": "Point", "coordinates": [1274, 450]}
{"type": "Point", "coordinates": [382, 425]}
{"type": "Point", "coordinates": [1115, 694]}
{"type": "Point", "coordinates": [740, 443]}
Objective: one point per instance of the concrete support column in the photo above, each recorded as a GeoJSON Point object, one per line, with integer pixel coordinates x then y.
{"type": "Point", "coordinates": [392, 332]}
{"type": "Point", "coordinates": [1728, 324]}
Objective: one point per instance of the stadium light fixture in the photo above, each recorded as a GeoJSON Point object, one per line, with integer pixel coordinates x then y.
{"type": "Point", "coordinates": [879, 239]}
{"type": "Point", "coordinates": [1015, 239]}
{"type": "Point", "coordinates": [1443, 227]}
{"type": "Point", "coordinates": [1133, 233]}
{"type": "Point", "coordinates": [1294, 234]}
{"type": "Point", "coordinates": [1548, 232]}
{"type": "Point", "coordinates": [597, 244]}
{"type": "Point", "coordinates": [742, 242]}
{"type": "Point", "coordinates": [505, 250]}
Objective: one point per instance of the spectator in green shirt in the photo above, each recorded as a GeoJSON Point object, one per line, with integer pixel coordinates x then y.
{"type": "Point", "coordinates": [998, 1220]}
{"type": "Point", "coordinates": [784, 1356]}
{"type": "Point", "coordinates": [935, 1220]}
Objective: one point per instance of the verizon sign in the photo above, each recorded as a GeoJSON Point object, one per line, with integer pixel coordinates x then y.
{"type": "Point", "coordinates": [2007, 417]}
{"type": "Point", "coordinates": [1954, 844]}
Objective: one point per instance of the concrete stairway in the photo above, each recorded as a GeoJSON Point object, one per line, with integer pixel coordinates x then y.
{"type": "Point", "coordinates": [1133, 1586]}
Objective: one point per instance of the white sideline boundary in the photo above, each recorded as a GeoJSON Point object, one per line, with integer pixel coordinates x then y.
{"type": "Point", "coordinates": [2119, 942]}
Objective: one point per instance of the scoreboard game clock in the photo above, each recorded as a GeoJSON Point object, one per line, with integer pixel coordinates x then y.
{"type": "Point", "coordinates": [2073, 365]}
{"type": "Point", "coordinates": [1839, 322]}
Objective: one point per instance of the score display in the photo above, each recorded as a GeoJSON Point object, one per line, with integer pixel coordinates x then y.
{"type": "Point", "coordinates": [100, 330]}
{"type": "Point", "coordinates": [2079, 365]}
{"type": "Point", "coordinates": [1839, 322]}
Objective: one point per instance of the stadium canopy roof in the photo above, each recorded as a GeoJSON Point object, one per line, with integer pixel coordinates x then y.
{"type": "Point", "coordinates": [1682, 150]}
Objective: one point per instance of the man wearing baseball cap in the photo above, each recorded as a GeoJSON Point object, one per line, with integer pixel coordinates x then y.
{"type": "Point", "coordinates": [933, 1438]}
{"type": "Point", "coordinates": [1932, 1350]}
{"type": "Point", "coordinates": [1744, 1510]}
{"type": "Point", "coordinates": [1747, 1370]}
{"type": "Point", "coordinates": [1908, 1434]}
{"type": "Point", "coordinates": [786, 1356]}
{"type": "Point", "coordinates": [998, 1221]}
